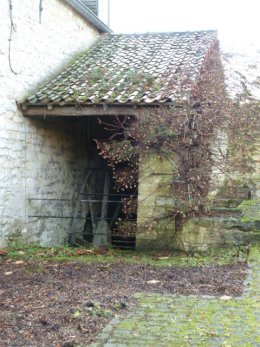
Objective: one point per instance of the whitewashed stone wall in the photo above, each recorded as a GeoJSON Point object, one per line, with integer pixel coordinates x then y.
{"type": "Point", "coordinates": [37, 158]}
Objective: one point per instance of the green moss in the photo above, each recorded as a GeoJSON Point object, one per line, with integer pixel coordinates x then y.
{"type": "Point", "coordinates": [96, 74]}
{"type": "Point", "coordinates": [250, 211]}
{"type": "Point", "coordinates": [249, 219]}
{"type": "Point", "coordinates": [254, 254]}
{"type": "Point", "coordinates": [245, 220]}
{"type": "Point", "coordinates": [248, 203]}
{"type": "Point", "coordinates": [190, 321]}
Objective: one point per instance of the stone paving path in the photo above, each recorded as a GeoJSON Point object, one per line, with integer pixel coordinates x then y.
{"type": "Point", "coordinates": [168, 320]}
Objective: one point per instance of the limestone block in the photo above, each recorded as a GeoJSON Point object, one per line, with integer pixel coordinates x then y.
{"type": "Point", "coordinates": [212, 232]}
{"type": "Point", "coordinates": [155, 176]}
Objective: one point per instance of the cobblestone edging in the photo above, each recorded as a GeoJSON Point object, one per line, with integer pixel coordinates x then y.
{"type": "Point", "coordinates": [170, 320]}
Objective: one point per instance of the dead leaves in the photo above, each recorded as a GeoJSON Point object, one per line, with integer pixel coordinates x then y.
{"type": "Point", "coordinates": [84, 251]}
{"type": "Point", "coordinates": [3, 253]}
{"type": "Point", "coordinates": [96, 251]}
{"type": "Point", "coordinates": [71, 301]}
{"type": "Point", "coordinates": [163, 258]}
{"type": "Point", "coordinates": [19, 262]}
{"type": "Point", "coordinates": [8, 273]}
{"type": "Point", "coordinates": [153, 282]}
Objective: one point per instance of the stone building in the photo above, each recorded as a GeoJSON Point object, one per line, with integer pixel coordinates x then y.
{"type": "Point", "coordinates": [126, 75]}
{"type": "Point", "coordinates": [51, 174]}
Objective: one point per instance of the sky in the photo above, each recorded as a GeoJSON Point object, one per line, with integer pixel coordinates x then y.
{"type": "Point", "coordinates": [237, 21]}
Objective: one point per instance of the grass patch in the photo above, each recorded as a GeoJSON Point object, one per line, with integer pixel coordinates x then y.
{"type": "Point", "coordinates": [90, 255]}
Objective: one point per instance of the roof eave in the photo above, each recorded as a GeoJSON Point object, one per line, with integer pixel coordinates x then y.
{"type": "Point", "coordinates": [89, 15]}
{"type": "Point", "coordinates": [52, 110]}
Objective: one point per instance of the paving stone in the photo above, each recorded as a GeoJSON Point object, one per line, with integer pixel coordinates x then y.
{"type": "Point", "coordinates": [165, 320]}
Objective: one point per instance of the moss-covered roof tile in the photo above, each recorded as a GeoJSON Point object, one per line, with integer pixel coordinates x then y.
{"type": "Point", "coordinates": [130, 68]}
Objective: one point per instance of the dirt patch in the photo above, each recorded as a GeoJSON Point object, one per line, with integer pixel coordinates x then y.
{"type": "Point", "coordinates": [68, 304]}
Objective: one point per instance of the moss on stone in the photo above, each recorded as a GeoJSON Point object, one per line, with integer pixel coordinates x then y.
{"type": "Point", "coordinates": [248, 203]}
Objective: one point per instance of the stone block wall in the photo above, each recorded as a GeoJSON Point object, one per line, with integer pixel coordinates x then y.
{"type": "Point", "coordinates": [240, 223]}
{"type": "Point", "coordinates": [232, 225]}
{"type": "Point", "coordinates": [43, 159]}
{"type": "Point", "coordinates": [154, 230]}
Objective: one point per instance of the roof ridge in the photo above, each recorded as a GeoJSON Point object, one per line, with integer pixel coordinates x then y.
{"type": "Point", "coordinates": [164, 33]}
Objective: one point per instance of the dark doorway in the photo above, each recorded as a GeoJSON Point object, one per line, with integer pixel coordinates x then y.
{"type": "Point", "coordinates": [107, 219]}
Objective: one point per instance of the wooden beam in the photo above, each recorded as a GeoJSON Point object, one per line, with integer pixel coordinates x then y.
{"type": "Point", "coordinates": [80, 111]}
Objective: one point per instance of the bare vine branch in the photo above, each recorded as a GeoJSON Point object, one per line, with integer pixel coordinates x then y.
{"type": "Point", "coordinates": [210, 139]}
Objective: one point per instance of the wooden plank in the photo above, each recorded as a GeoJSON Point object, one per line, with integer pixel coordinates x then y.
{"type": "Point", "coordinates": [78, 202]}
{"type": "Point", "coordinates": [105, 196]}
{"type": "Point", "coordinates": [73, 111]}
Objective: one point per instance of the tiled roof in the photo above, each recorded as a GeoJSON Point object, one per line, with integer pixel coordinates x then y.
{"type": "Point", "coordinates": [137, 68]}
